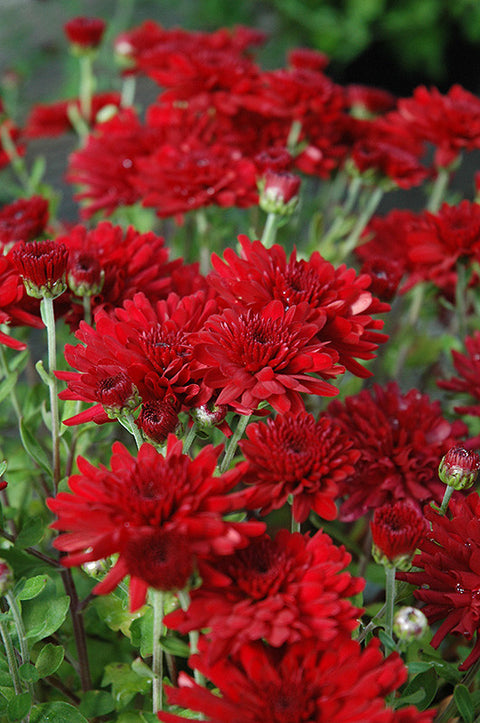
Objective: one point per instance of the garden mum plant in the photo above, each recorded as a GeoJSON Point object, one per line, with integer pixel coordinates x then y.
{"type": "Point", "coordinates": [239, 402]}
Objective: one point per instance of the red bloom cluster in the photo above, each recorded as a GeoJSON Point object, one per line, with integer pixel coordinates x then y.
{"type": "Point", "coordinates": [281, 591]}
{"type": "Point", "coordinates": [151, 344]}
{"type": "Point", "coordinates": [112, 265]}
{"type": "Point", "coordinates": [159, 514]}
{"type": "Point", "coordinates": [401, 437]}
{"type": "Point", "coordinates": [23, 220]}
{"type": "Point", "coordinates": [338, 301]}
{"type": "Point", "coordinates": [272, 355]}
{"type": "Point", "coordinates": [295, 455]}
{"type": "Point", "coordinates": [451, 121]}
{"type": "Point", "coordinates": [448, 579]}
{"type": "Point", "coordinates": [297, 683]}
{"type": "Point", "coordinates": [468, 379]}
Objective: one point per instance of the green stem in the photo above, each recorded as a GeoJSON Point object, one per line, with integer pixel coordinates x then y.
{"type": "Point", "coordinates": [270, 230]}
{"type": "Point", "coordinates": [128, 91]}
{"type": "Point", "coordinates": [294, 525]}
{"type": "Point", "coordinates": [157, 661]}
{"type": "Point", "coordinates": [365, 216]}
{"type": "Point", "coordinates": [234, 440]}
{"type": "Point", "coordinates": [293, 136]}
{"type": "Point", "coordinates": [354, 188]}
{"type": "Point", "coordinates": [191, 434]}
{"type": "Point", "coordinates": [193, 635]}
{"type": "Point", "coordinates": [22, 638]}
{"type": "Point", "coordinates": [48, 317]}
{"type": "Point", "coordinates": [78, 629]}
{"type": "Point", "coordinates": [389, 599]}
{"type": "Point", "coordinates": [17, 162]}
{"type": "Point", "coordinates": [11, 658]}
{"type": "Point", "coordinates": [446, 499]}
{"type": "Point", "coordinates": [86, 86]}
{"type": "Point", "coordinates": [438, 190]}
{"type": "Point", "coordinates": [87, 309]}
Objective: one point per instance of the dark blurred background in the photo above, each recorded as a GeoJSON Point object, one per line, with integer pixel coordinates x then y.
{"type": "Point", "coordinates": [390, 44]}
{"type": "Point", "coordinates": [384, 43]}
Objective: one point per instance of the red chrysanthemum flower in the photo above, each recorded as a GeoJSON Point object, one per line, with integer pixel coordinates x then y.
{"type": "Point", "coordinates": [386, 241]}
{"type": "Point", "coordinates": [42, 266]}
{"type": "Point", "coordinates": [439, 241]}
{"type": "Point", "coordinates": [151, 344]}
{"type": "Point", "coordinates": [365, 101]}
{"type": "Point", "coordinates": [339, 301]}
{"type": "Point", "coordinates": [448, 581]}
{"type": "Point", "coordinates": [104, 167]}
{"type": "Point", "coordinates": [279, 591]}
{"type": "Point", "coordinates": [23, 220]}
{"type": "Point", "coordinates": [48, 120]}
{"type": "Point", "coordinates": [269, 356]}
{"type": "Point", "coordinates": [14, 304]}
{"type": "Point", "coordinates": [158, 514]}
{"type": "Point", "coordinates": [86, 32]}
{"type": "Point", "coordinates": [295, 455]}
{"type": "Point", "coordinates": [450, 121]}
{"type": "Point", "coordinates": [296, 684]}
{"type": "Point", "coordinates": [468, 379]}
{"type": "Point", "coordinates": [176, 179]}
{"type": "Point", "coordinates": [401, 438]}
{"type": "Point", "coordinates": [397, 531]}
{"type": "Point", "coordinates": [111, 265]}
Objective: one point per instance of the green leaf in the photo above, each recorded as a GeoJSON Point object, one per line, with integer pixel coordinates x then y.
{"type": "Point", "coordinates": [115, 613]}
{"type": "Point", "coordinates": [31, 533]}
{"type": "Point", "coordinates": [125, 683]}
{"type": "Point", "coordinates": [3, 703]}
{"type": "Point", "coordinates": [141, 631]}
{"type": "Point", "coordinates": [3, 467]}
{"type": "Point", "coordinates": [49, 660]}
{"type": "Point", "coordinates": [45, 614]}
{"type": "Point", "coordinates": [7, 385]}
{"type": "Point", "coordinates": [33, 448]}
{"type": "Point", "coordinates": [387, 641]}
{"type": "Point", "coordinates": [32, 587]}
{"type": "Point", "coordinates": [56, 712]}
{"type": "Point", "coordinates": [464, 703]}
{"type": "Point", "coordinates": [19, 706]}
{"type": "Point", "coordinates": [28, 673]}
{"type": "Point", "coordinates": [96, 703]}
{"type": "Point", "coordinates": [175, 646]}
{"type": "Point", "coordinates": [142, 669]}
{"type": "Point", "coordinates": [427, 682]}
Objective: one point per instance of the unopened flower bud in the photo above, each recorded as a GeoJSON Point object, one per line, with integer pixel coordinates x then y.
{"type": "Point", "coordinates": [6, 577]}
{"type": "Point", "coordinates": [396, 531]}
{"type": "Point", "coordinates": [209, 415]}
{"type": "Point", "coordinates": [85, 277]}
{"type": "Point", "coordinates": [42, 266]}
{"type": "Point", "coordinates": [459, 468]}
{"type": "Point", "coordinates": [158, 419]}
{"type": "Point", "coordinates": [84, 33]}
{"type": "Point", "coordinates": [279, 192]}
{"type": "Point", "coordinates": [410, 624]}
{"type": "Point", "coordinates": [118, 395]}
